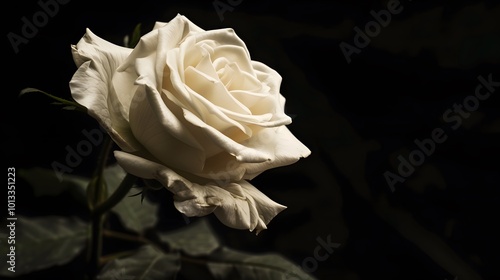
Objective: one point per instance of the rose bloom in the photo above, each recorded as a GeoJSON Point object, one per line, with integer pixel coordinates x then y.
{"type": "Point", "coordinates": [189, 108]}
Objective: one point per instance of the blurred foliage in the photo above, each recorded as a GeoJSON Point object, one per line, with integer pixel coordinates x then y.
{"type": "Point", "coordinates": [44, 242]}
{"type": "Point", "coordinates": [47, 241]}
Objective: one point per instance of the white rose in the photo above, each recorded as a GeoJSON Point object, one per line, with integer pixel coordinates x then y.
{"type": "Point", "coordinates": [189, 108]}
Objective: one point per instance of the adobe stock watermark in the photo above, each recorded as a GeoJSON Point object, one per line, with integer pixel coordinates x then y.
{"type": "Point", "coordinates": [92, 139]}
{"type": "Point", "coordinates": [39, 19]}
{"type": "Point", "coordinates": [453, 116]}
{"type": "Point", "coordinates": [372, 29]}
{"type": "Point", "coordinates": [74, 155]}
{"type": "Point", "coordinates": [321, 253]}
{"type": "Point", "coordinates": [222, 6]}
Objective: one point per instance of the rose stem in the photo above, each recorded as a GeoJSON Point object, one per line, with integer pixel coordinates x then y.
{"type": "Point", "coordinates": [95, 242]}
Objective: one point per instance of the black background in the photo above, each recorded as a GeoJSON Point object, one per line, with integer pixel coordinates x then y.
{"type": "Point", "coordinates": [356, 118]}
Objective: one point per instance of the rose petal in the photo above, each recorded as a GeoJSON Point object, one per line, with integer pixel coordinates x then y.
{"type": "Point", "coordinates": [267, 75]}
{"type": "Point", "coordinates": [239, 151]}
{"type": "Point", "coordinates": [238, 205]}
{"type": "Point", "coordinates": [159, 24]}
{"type": "Point", "coordinates": [237, 79]}
{"type": "Point", "coordinates": [152, 122]}
{"type": "Point", "coordinates": [163, 134]}
{"type": "Point", "coordinates": [213, 91]}
{"type": "Point", "coordinates": [237, 54]}
{"type": "Point", "coordinates": [271, 78]}
{"type": "Point", "coordinates": [278, 142]}
{"type": "Point", "coordinates": [152, 48]}
{"type": "Point", "coordinates": [91, 86]}
{"type": "Point", "coordinates": [261, 209]}
{"type": "Point", "coordinates": [199, 56]}
{"type": "Point", "coordinates": [250, 98]}
{"type": "Point", "coordinates": [285, 147]}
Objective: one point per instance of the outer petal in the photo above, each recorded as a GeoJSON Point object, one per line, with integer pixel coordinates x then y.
{"type": "Point", "coordinates": [285, 147]}
{"type": "Point", "coordinates": [92, 47]}
{"type": "Point", "coordinates": [91, 86]}
{"type": "Point", "coordinates": [163, 134]}
{"type": "Point", "coordinates": [152, 122]}
{"type": "Point", "coordinates": [249, 208]}
{"type": "Point", "coordinates": [271, 78]}
{"type": "Point", "coordinates": [278, 142]}
{"type": "Point", "coordinates": [238, 205]}
{"type": "Point", "coordinates": [153, 48]}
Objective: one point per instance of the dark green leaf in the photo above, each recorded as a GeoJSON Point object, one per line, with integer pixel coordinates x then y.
{"type": "Point", "coordinates": [43, 242]}
{"type": "Point", "coordinates": [199, 240]}
{"type": "Point", "coordinates": [136, 36]}
{"type": "Point", "coordinates": [135, 214]}
{"type": "Point", "coordinates": [196, 239]}
{"type": "Point", "coordinates": [230, 264]}
{"type": "Point", "coordinates": [147, 264]}
{"type": "Point", "coordinates": [45, 182]}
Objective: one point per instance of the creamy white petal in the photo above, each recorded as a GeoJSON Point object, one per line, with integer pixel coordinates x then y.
{"type": "Point", "coordinates": [239, 151]}
{"type": "Point", "coordinates": [91, 86]}
{"type": "Point", "coordinates": [278, 142]}
{"type": "Point", "coordinates": [163, 134]}
{"type": "Point", "coordinates": [238, 204]}
{"type": "Point", "coordinates": [213, 91]}
{"type": "Point", "coordinates": [225, 37]}
{"type": "Point", "coordinates": [250, 98]}
{"type": "Point", "coordinates": [238, 79]}
{"type": "Point", "coordinates": [200, 94]}
{"type": "Point", "coordinates": [271, 78]}
{"type": "Point", "coordinates": [267, 75]}
{"type": "Point", "coordinates": [154, 46]}
{"type": "Point", "coordinates": [263, 120]}
{"type": "Point", "coordinates": [285, 147]}
{"type": "Point", "coordinates": [159, 24]}
{"type": "Point", "coordinates": [152, 122]}
{"type": "Point", "coordinates": [92, 47]}
{"type": "Point", "coordinates": [237, 54]}
{"type": "Point", "coordinates": [198, 110]}
{"type": "Point", "coordinates": [204, 63]}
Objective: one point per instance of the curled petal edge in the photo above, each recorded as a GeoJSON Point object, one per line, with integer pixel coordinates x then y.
{"type": "Point", "coordinates": [238, 205]}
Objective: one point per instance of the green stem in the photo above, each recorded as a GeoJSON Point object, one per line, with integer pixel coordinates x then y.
{"type": "Point", "coordinates": [116, 197]}
{"type": "Point", "coordinates": [95, 245]}
{"type": "Point", "coordinates": [97, 191]}
{"type": "Point", "coordinates": [111, 257]}
{"type": "Point", "coordinates": [125, 237]}
{"type": "Point", "coordinates": [97, 216]}
{"type": "Point", "coordinates": [100, 204]}
{"type": "Point", "coordinates": [103, 156]}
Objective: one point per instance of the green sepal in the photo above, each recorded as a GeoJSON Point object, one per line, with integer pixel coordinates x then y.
{"type": "Point", "coordinates": [68, 105]}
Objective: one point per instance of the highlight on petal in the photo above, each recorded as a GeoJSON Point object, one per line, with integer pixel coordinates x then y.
{"type": "Point", "coordinates": [152, 48]}
{"type": "Point", "coordinates": [248, 208]}
{"type": "Point", "coordinates": [285, 147]}
{"type": "Point", "coordinates": [93, 84]}
{"type": "Point", "coordinates": [237, 204]}
{"type": "Point", "coordinates": [278, 142]}
{"type": "Point", "coordinates": [163, 135]}
{"type": "Point", "coordinates": [92, 47]}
